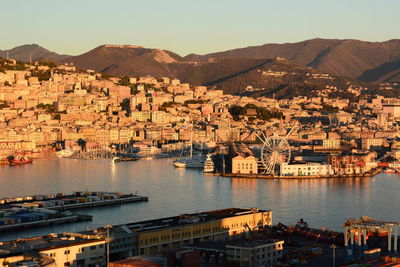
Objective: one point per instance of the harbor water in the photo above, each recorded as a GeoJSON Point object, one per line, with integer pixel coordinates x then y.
{"type": "Point", "coordinates": [324, 202]}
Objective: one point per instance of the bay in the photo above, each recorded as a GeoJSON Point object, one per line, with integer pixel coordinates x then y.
{"type": "Point", "coordinates": [321, 202]}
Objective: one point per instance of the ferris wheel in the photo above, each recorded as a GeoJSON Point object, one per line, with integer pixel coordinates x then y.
{"type": "Point", "coordinates": [275, 151]}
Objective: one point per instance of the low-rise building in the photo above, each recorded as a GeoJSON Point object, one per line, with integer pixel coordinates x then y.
{"type": "Point", "coordinates": [305, 169]}
{"type": "Point", "coordinates": [243, 160]}
{"type": "Point", "coordinates": [252, 253]}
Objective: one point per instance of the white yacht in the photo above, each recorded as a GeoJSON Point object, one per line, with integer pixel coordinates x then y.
{"type": "Point", "coordinates": [179, 164]}
{"type": "Point", "coordinates": [208, 164]}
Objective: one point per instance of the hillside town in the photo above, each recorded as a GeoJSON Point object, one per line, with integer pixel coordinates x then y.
{"type": "Point", "coordinates": [50, 107]}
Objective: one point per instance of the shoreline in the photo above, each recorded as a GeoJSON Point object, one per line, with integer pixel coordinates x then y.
{"type": "Point", "coordinates": [297, 177]}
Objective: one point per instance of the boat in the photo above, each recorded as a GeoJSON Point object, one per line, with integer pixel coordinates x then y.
{"type": "Point", "coordinates": [191, 161]}
{"type": "Point", "coordinates": [148, 158]}
{"type": "Point", "coordinates": [389, 170]}
{"type": "Point", "coordinates": [65, 153]}
{"type": "Point", "coordinates": [208, 164]}
{"type": "Point", "coordinates": [121, 159]}
{"type": "Point", "coordinates": [13, 161]}
{"type": "Point", "coordinates": [179, 164]}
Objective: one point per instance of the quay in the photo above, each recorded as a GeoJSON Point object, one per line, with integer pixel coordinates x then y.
{"type": "Point", "coordinates": [105, 202]}
{"type": "Point", "coordinates": [68, 219]}
{"type": "Point", "coordinates": [270, 176]}
{"type": "Point", "coordinates": [34, 211]}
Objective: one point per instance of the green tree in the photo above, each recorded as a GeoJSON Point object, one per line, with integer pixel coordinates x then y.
{"type": "Point", "coordinates": [124, 81]}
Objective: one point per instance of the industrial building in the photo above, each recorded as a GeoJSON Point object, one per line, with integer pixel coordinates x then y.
{"type": "Point", "coordinates": [252, 253]}
{"type": "Point", "coordinates": [140, 238]}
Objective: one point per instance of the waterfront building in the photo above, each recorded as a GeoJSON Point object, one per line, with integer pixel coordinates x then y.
{"type": "Point", "coordinates": [305, 169]}
{"type": "Point", "coordinates": [243, 160]}
{"type": "Point", "coordinates": [351, 163]}
{"type": "Point", "coordinates": [174, 232]}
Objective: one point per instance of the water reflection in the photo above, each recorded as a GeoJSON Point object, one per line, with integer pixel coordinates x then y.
{"type": "Point", "coordinates": [325, 202]}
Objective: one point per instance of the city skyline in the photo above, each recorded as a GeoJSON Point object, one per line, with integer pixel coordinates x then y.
{"type": "Point", "coordinates": [185, 28]}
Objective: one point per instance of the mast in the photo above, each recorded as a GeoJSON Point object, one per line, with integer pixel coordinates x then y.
{"type": "Point", "coordinates": [191, 141]}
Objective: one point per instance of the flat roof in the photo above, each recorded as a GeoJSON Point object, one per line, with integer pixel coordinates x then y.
{"type": "Point", "coordinates": [44, 242]}
{"type": "Point", "coordinates": [190, 218]}
{"type": "Point", "coordinates": [252, 243]}
{"type": "Point", "coordinates": [221, 246]}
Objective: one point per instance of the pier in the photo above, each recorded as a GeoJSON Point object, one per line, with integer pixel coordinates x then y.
{"type": "Point", "coordinates": [105, 202]}
{"type": "Point", "coordinates": [270, 176]}
{"type": "Point", "coordinates": [68, 219]}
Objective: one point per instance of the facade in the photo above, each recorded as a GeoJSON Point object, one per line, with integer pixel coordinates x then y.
{"type": "Point", "coordinates": [305, 169]}
{"type": "Point", "coordinates": [89, 253]}
{"type": "Point", "coordinates": [254, 253]}
{"type": "Point", "coordinates": [243, 160]}
{"type": "Point", "coordinates": [392, 109]}
{"type": "Point", "coordinates": [351, 163]}
{"type": "Point", "coordinates": [331, 143]}
{"type": "Point", "coordinates": [244, 165]}
{"type": "Point", "coordinates": [372, 143]}
{"type": "Point", "coordinates": [68, 249]}
{"type": "Point", "coordinates": [175, 232]}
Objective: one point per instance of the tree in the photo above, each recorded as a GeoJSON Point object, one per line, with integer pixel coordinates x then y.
{"type": "Point", "coordinates": [125, 81]}
{"type": "Point", "coordinates": [82, 143]}
{"type": "Point", "coordinates": [236, 111]}
{"type": "Point", "coordinates": [126, 105]}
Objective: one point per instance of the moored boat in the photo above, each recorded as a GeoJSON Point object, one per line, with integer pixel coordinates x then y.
{"type": "Point", "coordinates": [13, 161]}
{"type": "Point", "coordinates": [208, 164]}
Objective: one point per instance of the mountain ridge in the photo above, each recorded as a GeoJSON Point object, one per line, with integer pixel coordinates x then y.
{"type": "Point", "coordinates": [356, 59]}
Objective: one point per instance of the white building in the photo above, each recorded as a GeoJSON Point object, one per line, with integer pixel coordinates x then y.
{"type": "Point", "coordinates": [305, 169]}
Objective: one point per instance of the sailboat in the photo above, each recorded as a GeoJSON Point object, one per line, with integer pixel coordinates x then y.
{"type": "Point", "coordinates": [191, 161]}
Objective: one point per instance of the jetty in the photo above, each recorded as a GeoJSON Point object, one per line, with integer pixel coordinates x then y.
{"type": "Point", "coordinates": [372, 173]}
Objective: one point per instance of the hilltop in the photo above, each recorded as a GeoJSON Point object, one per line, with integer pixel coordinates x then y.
{"type": "Point", "coordinates": [31, 52]}
{"type": "Point", "coordinates": [235, 70]}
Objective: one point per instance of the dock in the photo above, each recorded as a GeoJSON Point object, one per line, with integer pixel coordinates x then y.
{"type": "Point", "coordinates": [68, 219]}
{"type": "Point", "coordinates": [269, 176]}
{"type": "Point", "coordinates": [99, 203]}
{"type": "Point", "coordinates": [39, 210]}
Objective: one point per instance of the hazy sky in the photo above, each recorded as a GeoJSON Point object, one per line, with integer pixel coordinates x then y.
{"type": "Point", "coordinates": [191, 26]}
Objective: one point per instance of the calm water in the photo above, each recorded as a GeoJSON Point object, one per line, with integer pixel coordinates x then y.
{"type": "Point", "coordinates": [327, 202]}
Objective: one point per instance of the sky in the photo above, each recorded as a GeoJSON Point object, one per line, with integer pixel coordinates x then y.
{"type": "Point", "coordinates": [191, 26]}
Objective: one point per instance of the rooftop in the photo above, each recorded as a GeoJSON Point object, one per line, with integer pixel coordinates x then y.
{"type": "Point", "coordinates": [45, 242]}
{"type": "Point", "coordinates": [190, 219]}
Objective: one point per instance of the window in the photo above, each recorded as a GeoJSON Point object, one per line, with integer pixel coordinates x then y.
{"type": "Point", "coordinates": [92, 247]}
{"type": "Point", "coordinates": [66, 253]}
{"type": "Point", "coordinates": [67, 263]}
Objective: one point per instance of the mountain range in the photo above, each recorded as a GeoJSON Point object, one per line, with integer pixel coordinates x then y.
{"type": "Point", "coordinates": [233, 70]}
